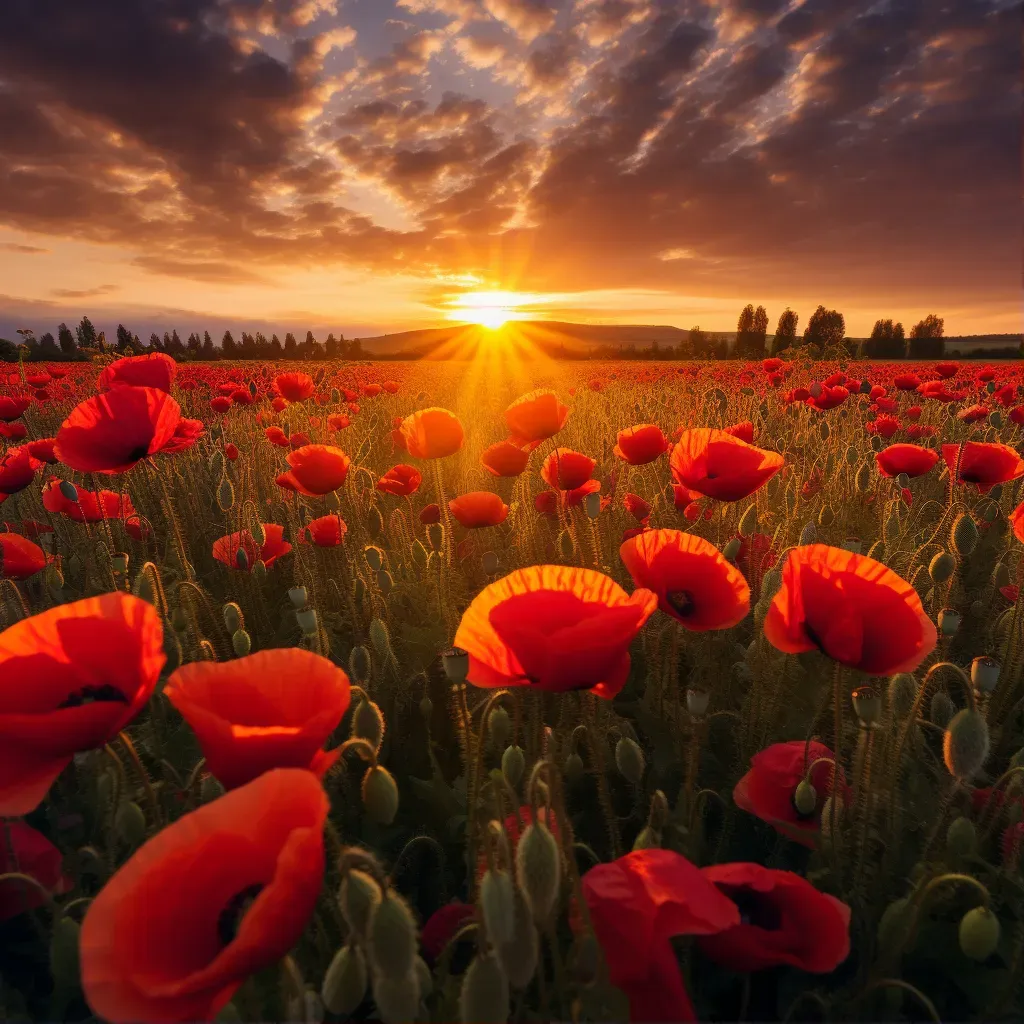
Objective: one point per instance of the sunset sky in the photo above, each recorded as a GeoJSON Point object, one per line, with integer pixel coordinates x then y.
{"type": "Point", "coordinates": [362, 165]}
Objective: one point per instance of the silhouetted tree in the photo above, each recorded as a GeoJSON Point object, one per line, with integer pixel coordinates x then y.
{"type": "Point", "coordinates": [826, 327]}
{"type": "Point", "coordinates": [290, 347]}
{"type": "Point", "coordinates": [331, 347]}
{"type": "Point", "coordinates": [154, 342]}
{"type": "Point", "coordinates": [276, 351]}
{"type": "Point", "coordinates": [67, 340]}
{"type": "Point", "coordinates": [195, 345]}
{"type": "Point", "coordinates": [785, 331]}
{"type": "Point", "coordinates": [124, 339]}
{"type": "Point", "coordinates": [85, 334]}
{"type": "Point", "coordinates": [886, 341]}
{"type": "Point", "coordinates": [207, 351]}
{"type": "Point", "coordinates": [926, 338]}
{"type": "Point", "coordinates": [48, 348]}
{"type": "Point", "coordinates": [227, 345]}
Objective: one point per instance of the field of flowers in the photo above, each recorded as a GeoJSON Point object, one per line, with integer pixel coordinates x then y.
{"type": "Point", "coordinates": [592, 692]}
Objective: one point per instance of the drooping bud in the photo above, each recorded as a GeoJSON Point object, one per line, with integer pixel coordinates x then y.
{"type": "Point", "coordinates": [368, 723]}
{"type": "Point", "coordinates": [519, 956]}
{"type": "Point", "coordinates": [64, 965]}
{"type": "Point", "coordinates": [539, 869]}
{"type": "Point", "coordinates": [731, 550]}
{"type": "Point", "coordinates": [225, 494]}
{"type": "Point", "coordinates": [941, 710]}
{"type": "Point", "coordinates": [979, 933]}
{"type": "Point", "coordinates": [358, 897]}
{"type": "Point", "coordinates": [210, 789]}
{"type": "Point", "coordinates": [380, 795]}
{"type": "Point", "coordinates": [629, 759]}
{"type": "Point", "coordinates": [373, 556]}
{"type": "Point", "coordinates": [902, 693]}
{"type": "Point", "coordinates": [359, 664]}
{"type": "Point", "coordinates": [130, 823]}
{"type": "Point", "coordinates": [961, 837]}
{"type": "Point", "coordinates": [497, 905]}
{"type": "Point", "coordinates": [258, 533]}
{"type": "Point", "coordinates": [863, 479]}
{"type": "Point", "coordinates": [397, 999]}
{"type": "Point", "coordinates": [374, 522]}
{"type": "Point", "coordinates": [392, 937]}
{"type": "Point", "coordinates": [513, 764]}
{"type": "Point", "coordinates": [380, 638]}
{"type": "Point", "coordinates": [964, 535]}
{"type": "Point", "coordinates": [894, 926]}
{"type": "Point", "coordinates": [484, 997]}
{"type": "Point", "coordinates": [966, 744]}
{"type": "Point", "coordinates": [808, 535]}
{"type": "Point", "coordinates": [344, 985]}
{"type": "Point", "coordinates": [241, 643]}
{"type": "Point", "coordinates": [748, 522]}
{"type": "Point", "coordinates": [385, 582]}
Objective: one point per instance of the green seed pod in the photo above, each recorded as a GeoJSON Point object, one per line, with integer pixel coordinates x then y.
{"type": "Point", "coordinates": [825, 516]}
{"type": "Point", "coordinates": [64, 967]}
{"type": "Point", "coordinates": [225, 494]}
{"type": "Point", "coordinates": [941, 710]}
{"type": "Point", "coordinates": [824, 431]}
{"type": "Point", "coordinates": [374, 522]}
{"type": "Point", "coordinates": [732, 549]}
{"type": "Point", "coordinates": [513, 764]}
{"type": "Point", "coordinates": [748, 521]}
{"type": "Point", "coordinates": [979, 933]}
{"type": "Point", "coordinates": [68, 491]}
{"type": "Point", "coordinates": [210, 789]}
{"type": "Point", "coordinates": [877, 443]}
{"type": "Point", "coordinates": [242, 560]}
{"type": "Point", "coordinates": [385, 582]}
{"type": "Point", "coordinates": [863, 479]}
{"type": "Point", "coordinates": [629, 759]}
{"type": "Point", "coordinates": [592, 505]}
{"type": "Point", "coordinates": [961, 837]}
{"type": "Point", "coordinates": [233, 618]}
{"type": "Point", "coordinates": [435, 536]}
{"type": "Point", "coordinates": [852, 455]}
{"type": "Point", "coordinates": [497, 905]}
{"type": "Point", "coordinates": [647, 839]}
{"type": "Point", "coordinates": [808, 535]}
{"type": "Point", "coordinates": [344, 985]}
{"type": "Point", "coordinates": [380, 638]}
{"type": "Point", "coordinates": [391, 937]}
{"type": "Point", "coordinates": [298, 597]}
{"type": "Point", "coordinates": [966, 744]}
{"type": "Point", "coordinates": [259, 570]}
{"type": "Point", "coordinates": [566, 545]}
{"type": "Point", "coordinates": [539, 870]}
{"type": "Point", "coordinates": [307, 620]}
{"type": "Point", "coordinates": [964, 535]}
{"type": "Point", "coordinates": [217, 463]}
{"type": "Point", "coordinates": [484, 997]}
{"type": "Point", "coordinates": [519, 956]}
{"type": "Point", "coordinates": [894, 926]}
{"type": "Point", "coordinates": [902, 480]}
{"type": "Point", "coordinates": [397, 999]}
{"type": "Point", "coordinates": [241, 643]}
{"type": "Point", "coordinates": [419, 554]}
{"type": "Point", "coordinates": [368, 723]}
{"type": "Point", "coordinates": [359, 664]}
{"type": "Point", "coordinates": [358, 897]}
{"type": "Point", "coordinates": [902, 693]}
{"type": "Point", "coordinates": [373, 556]}
{"type": "Point", "coordinates": [805, 798]}
{"type": "Point", "coordinates": [941, 567]}
{"type": "Point", "coordinates": [130, 823]}
{"type": "Point", "coordinates": [258, 533]}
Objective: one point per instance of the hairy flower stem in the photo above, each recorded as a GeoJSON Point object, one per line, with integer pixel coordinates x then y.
{"type": "Point", "coordinates": [837, 711]}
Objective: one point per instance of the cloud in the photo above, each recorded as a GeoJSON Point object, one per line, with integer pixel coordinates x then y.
{"type": "Point", "coordinates": [24, 250]}
{"type": "Point", "coordinates": [194, 270]}
{"type": "Point", "coordinates": [84, 293]}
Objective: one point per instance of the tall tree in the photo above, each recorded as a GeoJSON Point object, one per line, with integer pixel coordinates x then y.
{"type": "Point", "coordinates": [48, 347]}
{"type": "Point", "coordinates": [124, 339]}
{"type": "Point", "coordinates": [331, 347]}
{"type": "Point", "coordinates": [290, 346]}
{"type": "Point", "coordinates": [827, 327]}
{"type": "Point", "coordinates": [85, 334]}
{"type": "Point", "coordinates": [698, 341]}
{"type": "Point", "coordinates": [276, 351]}
{"type": "Point", "coordinates": [227, 345]}
{"type": "Point", "coordinates": [195, 345]}
{"type": "Point", "coordinates": [886, 341]}
{"type": "Point", "coordinates": [926, 338]}
{"type": "Point", "coordinates": [207, 351]}
{"type": "Point", "coordinates": [154, 342]}
{"type": "Point", "coordinates": [66, 339]}
{"type": "Point", "coordinates": [785, 331]}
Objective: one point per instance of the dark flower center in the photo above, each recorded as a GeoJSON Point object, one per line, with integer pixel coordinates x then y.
{"type": "Point", "coordinates": [139, 452]}
{"type": "Point", "coordinates": [680, 601]}
{"type": "Point", "coordinates": [230, 918]}
{"type": "Point", "coordinates": [756, 908]}
{"type": "Point", "coordinates": [92, 695]}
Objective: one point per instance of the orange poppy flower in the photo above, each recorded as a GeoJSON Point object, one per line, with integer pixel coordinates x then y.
{"type": "Point", "coordinates": [400, 480]}
{"type": "Point", "coordinates": [554, 627]}
{"type": "Point", "coordinates": [911, 459]}
{"type": "Point", "coordinates": [536, 416]}
{"type": "Point", "coordinates": [505, 459]}
{"type": "Point", "coordinates": [317, 469]}
{"type": "Point", "coordinates": [566, 470]}
{"type": "Point", "coordinates": [693, 581]}
{"type": "Point", "coordinates": [432, 434]}
{"type": "Point", "coordinates": [17, 470]}
{"type": "Point", "coordinates": [70, 679]}
{"type": "Point", "coordinates": [112, 432]}
{"type": "Point", "coordinates": [12, 407]}
{"type": "Point", "coordinates": [718, 465]}
{"type": "Point", "coordinates": [294, 387]}
{"type": "Point", "coordinates": [226, 549]}
{"type": "Point", "coordinates": [983, 464]}
{"type": "Point", "coordinates": [19, 557]}
{"type": "Point", "coordinates": [273, 709]}
{"type": "Point", "coordinates": [338, 421]}
{"type": "Point", "coordinates": [478, 509]}
{"type": "Point", "coordinates": [222, 893]}
{"type": "Point", "coordinates": [641, 444]}
{"type": "Point", "coordinates": [1017, 522]}
{"type": "Point", "coordinates": [90, 506]}
{"type": "Point", "coordinates": [851, 608]}
{"type": "Point", "coordinates": [185, 435]}
{"type": "Point", "coordinates": [744, 431]}
{"type": "Point", "coordinates": [155, 370]}
{"type": "Point", "coordinates": [325, 532]}
{"type": "Point", "coordinates": [639, 509]}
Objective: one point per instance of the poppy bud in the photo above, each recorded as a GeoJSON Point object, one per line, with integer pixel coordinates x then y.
{"type": "Point", "coordinates": [770, 584]}
{"type": "Point", "coordinates": [964, 536]}
{"type": "Point", "coordinates": [513, 764]}
{"type": "Point", "coordinates": [359, 664]}
{"type": "Point", "coordinates": [902, 480]}
{"type": "Point", "coordinates": [380, 638]}
{"type": "Point", "coordinates": [902, 693]}
{"type": "Point", "coordinates": [358, 897]}
{"type": "Point", "coordinates": [867, 705]}
{"type": "Point", "coordinates": [941, 567]}
{"type": "Point", "coordinates": [484, 997]}
{"type": "Point", "coordinates": [852, 455]}
{"type": "Point", "coordinates": [824, 430]}
{"type": "Point", "coordinates": [825, 516]}
{"type": "Point", "coordinates": [566, 545]}
{"type": "Point", "coordinates": [435, 535]}
{"type": "Point", "coordinates": [374, 522]}
{"type": "Point", "coordinates": [573, 767]}
{"type": "Point", "coordinates": [941, 709]}
{"type": "Point", "coordinates": [456, 665]}
{"type": "Point", "coordinates": [385, 582]}
{"type": "Point", "coordinates": [949, 620]}
{"type": "Point", "coordinates": [985, 673]}
{"type": "Point", "coordinates": [697, 702]}
{"type": "Point", "coordinates": [961, 837]}
{"type": "Point", "coordinates": [210, 789]}
{"type": "Point", "coordinates": [876, 443]}
{"type": "Point", "coordinates": [990, 512]}
{"type": "Point", "coordinates": [55, 580]}
{"type": "Point", "coordinates": [519, 956]}
{"type": "Point", "coordinates": [497, 905]}
{"type": "Point", "coordinates": [996, 493]}
{"type": "Point", "coordinates": [592, 505]}
{"type": "Point", "coordinates": [241, 559]}
{"type": "Point", "coordinates": [979, 933]}
{"type": "Point", "coordinates": [259, 570]}
{"type": "Point", "coordinates": [241, 643]}
{"type": "Point", "coordinates": [225, 494]}
{"type": "Point", "coordinates": [258, 533]}
{"type": "Point", "coordinates": [130, 823]}
{"type": "Point", "coordinates": [307, 620]}
{"type": "Point", "coordinates": [808, 535]}
{"type": "Point", "coordinates": [732, 549]}
{"type": "Point", "coordinates": [68, 491]}
{"type": "Point", "coordinates": [233, 620]}
{"type": "Point", "coordinates": [499, 726]}
{"type": "Point", "coordinates": [373, 557]}
{"type": "Point", "coordinates": [380, 795]}
{"type": "Point", "coordinates": [894, 926]}
{"type": "Point", "coordinates": [419, 553]}
{"type": "Point", "coordinates": [368, 723]}
{"type": "Point", "coordinates": [539, 869]}
{"type": "Point", "coordinates": [217, 463]}
{"type": "Point", "coordinates": [647, 839]}
{"type": "Point", "coordinates": [392, 937]}
{"type": "Point", "coordinates": [490, 562]}
{"type": "Point", "coordinates": [863, 478]}
{"type": "Point", "coordinates": [64, 968]}
{"type": "Point", "coordinates": [748, 522]}
{"type": "Point", "coordinates": [966, 743]}
{"type": "Point", "coordinates": [397, 999]}
{"type": "Point", "coordinates": [298, 597]}
{"type": "Point", "coordinates": [629, 759]}
{"type": "Point", "coordinates": [359, 589]}
{"type": "Point", "coordinates": [805, 798]}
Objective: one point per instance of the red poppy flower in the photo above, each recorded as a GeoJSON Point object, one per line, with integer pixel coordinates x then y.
{"type": "Point", "coordinates": [718, 465]}
{"type": "Point", "coordinates": [242, 396]}
{"type": "Point", "coordinates": [274, 546]}
{"type": "Point", "coordinates": [112, 432]}
{"type": "Point", "coordinates": [17, 470]}
{"type": "Point", "coordinates": [338, 421]}
{"type": "Point", "coordinates": [575, 497]}
{"type": "Point", "coordinates": [432, 434]}
{"type": "Point", "coordinates": [505, 459]}
{"type": "Point", "coordinates": [784, 920]}
{"type": "Point", "coordinates": [70, 679]}
{"type": "Point", "coordinates": [401, 481]}
{"type": "Point", "coordinates": [641, 444]}
{"type": "Point", "coordinates": [19, 557]}
{"type": "Point", "coordinates": [390, 386]}
{"type": "Point", "coordinates": [744, 431]}
{"type": "Point", "coordinates": [442, 926]}
{"type": "Point", "coordinates": [565, 470]}
{"type": "Point", "coordinates": [554, 627]}
{"type": "Point", "coordinates": [972, 414]}
{"type": "Point", "coordinates": [12, 407]}
{"type": "Point", "coordinates": [636, 507]}
{"type": "Point", "coordinates": [768, 789]}
{"type": "Point", "coordinates": [478, 509]}
{"type": "Point", "coordinates": [947, 369]}
{"type": "Point", "coordinates": [913, 413]}
{"type": "Point", "coordinates": [298, 440]}
{"type": "Point", "coordinates": [983, 464]}
{"type": "Point", "coordinates": [1017, 415]}
{"type": "Point", "coordinates": [637, 904]}
{"type": "Point", "coordinates": [884, 426]}
{"type": "Point", "coordinates": [316, 469]}
{"type": "Point", "coordinates": [905, 458]}
{"type": "Point", "coordinates": [14, 431]}
{"type": "Point", "coordinates": [693, 581]}
{"type": "Point", "coordinates": [156, 370]}
{"type": "Point", "coordinates": [371, 390]}
{"type": "Point", "coordinates": [850, 607]}
{"type": "Point", "coordinates": [829, 398]}
{"type": "Point", "coordinates": [907, 381]}
{"type": "Point", "coordinates": [90, 506]}
{"type": "Point", "coordinates": [294, 387]}
{"type": "Point", "coordinates": [430, 514]}
{"type": "Point", "coordinates": [771, 365]}
{"type": "Point", "coordinates": [546, 503]}
{"type": "Point", "coordinates": [1017, 522]}
{"type": "Point", "coordinates": [272, 709]}
{"type": "Point", "coordinates": [231, 451]}
{"type": "Point", "coordinates": [936, 390]}
{"type": "Point", "coordinates": [986, 374]}
{"type": "Point", "coordinates": [279, 404]}
{"type": "Point", "coordinates": [185, 435]}
{"type": "Point", "coordinates": [885, 405]}
{"type": "Point", "coordinates": [275, 435]}
{"type": "Point", "coordinates": [536, 416]}
{"type": "Point", "coordinates": [1011, 592]}
{"type": "Point", "coordinates": [33, 855]}
{"type": "Point", "coordinates": [325, 532]}
{"type": "Point", "coordinates": [1006, 395]}
{"type": "Point", "coordinates": [918, 430]}
{"type": "Point", "coordinates": [43, 449]}
{"type": "Point", "coordinates": [220, 894]}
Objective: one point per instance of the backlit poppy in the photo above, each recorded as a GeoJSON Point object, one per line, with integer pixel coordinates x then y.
{"type": "Point", "coordinates": [275, 435]}
{"type": "Point", "coordinates": [1017, 415]}
{"type": "Point", "coordinates": [769, 787]}
{"type": "Point", "coordinates": [744, 431]}
{"type": "Point", "coordinates": [20, 557]}
{"type": "Point", "coordinates": [316, 469]}
{"type": "Point", "coordinates": [983, 464]}
{"type": "Point", "coordinates": [12, 407]}
{"type": "Point", "coordinates": [299, 439]}
{"type": "Point", "coordinates": [112, 432]}
{"type": "Point", "coordinates": [829, 398]}
{"type": "Point", "coordinates": [338, 421]}
{"type": "Point", "coordinates": [89, 506]}
{"type": "Point", "coordinates": [639, 509]}
{"type": "Point", "coordinates": [70, 679]}
{"type": "Point", "coordinates": [226, 549]}
{"type": "Point", "coordinates": [17, 470]}
{"type": "Point", "coordinates": [907, 381]}
{"type": "Point", "coordinates": [279, 404]}
{"type": "Point", "coordinates": [505, 459]}
{"type": "Point", "coordinates": [851, 608]}
{"type": "Point", "coordinates": [565, 470]}
{"type": "Point", "coordinates": [973, 414]}
{"type": "Point", "coordinates": [42, 449]}
{"type": "Point", "coordinates": [272, 709]}
{"type": "Point", "coordinates": [641, 444]}
{"type": "Point", "coordinates": [218, 895]}
{"type": "Point", "coordinates": [155, 370]}
{"type": "Point", "coordinates": [390, 386]}
{"type": "Point", "coordinates": [430, 514]}
{"type": "Point", "coordinates": [1017, 522]}
{"type": "Point", "coordinates": [718, 465]}
{"type": "Point", "coordinates": [884, 426]}
{"type": "Point", "coordinates": [294, 387]}
{"type": "Point", "coordinates": [536, 416]}
{"type": "Point", "coordinates": [28, 852]}
{"type": "Point", "coordinates": [947, 369]}
{"type": "Point", "coordinates": [913, 413]}
{"type": "Point", "coordinates": [432, 433]}
{"type": "Point", "coordinates": [693, 581]}
{"type": "Point", "coordinates": [637, 904]}
{"type": "Point", "coordinates": [771, 365]}
{"type": "Point", "coordinates": [325, 532]}
{"type": "Point", "coordinates": [554, 627]}
{"type": "Point", "coordinates": [906, 458]}
{"type": "Point", "coordinates": [14, 431]}
{"type": "Point", "coordinates": [478, 509]}
{"type": "Point", "coordinates": [784, 920]}
{"type": "Point", "coordinates": [577, 494]}
{"type": "Point", "coordinates": [185, 435]}
{"type": "Point", "coordinates": [231, 451]}
{"type": "Point", "coordinates": [371, 390]}
{"type": "Point", "coordinates": [400, 480]}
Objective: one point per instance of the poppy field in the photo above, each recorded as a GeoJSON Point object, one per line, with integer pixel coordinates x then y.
{"type": "Point", "coordinates": [590, 691]}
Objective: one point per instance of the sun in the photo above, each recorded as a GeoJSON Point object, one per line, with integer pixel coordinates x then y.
{"type": "Point", "coordinates": [491, 317]}
{"type": "Point", "coordinates": [491, 309]}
